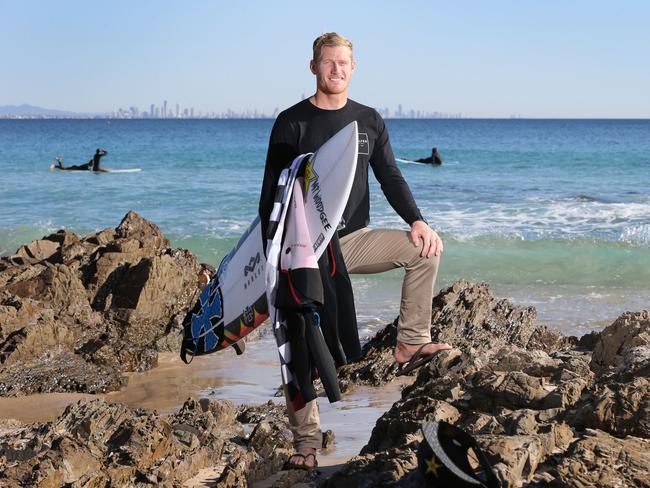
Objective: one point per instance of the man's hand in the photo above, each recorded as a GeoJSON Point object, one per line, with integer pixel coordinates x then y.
{"type": "Point", "coordinates": [422, 234]}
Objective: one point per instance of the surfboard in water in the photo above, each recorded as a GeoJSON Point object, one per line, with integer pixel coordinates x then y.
{"type": "Point", "coordinates": [125, 170]}
{"type": "Point", "coordinates": [104, 170]}
{"type": "Point", "coordinates": [233, 303]}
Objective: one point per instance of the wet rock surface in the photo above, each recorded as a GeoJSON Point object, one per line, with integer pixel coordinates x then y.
{"type": "Point", "coordinates": [78, 312]}
{"type": "Point", "coordinates": [98, 444]}
{"type": "Point", "coordinates": [547, 410]}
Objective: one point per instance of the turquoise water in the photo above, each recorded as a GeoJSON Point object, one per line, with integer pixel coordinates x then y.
{"type": "Point", "coordinates": [554, 213]}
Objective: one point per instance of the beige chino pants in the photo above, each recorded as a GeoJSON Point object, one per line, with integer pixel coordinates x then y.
{"type": "Point", "coordinates": [369, 251]}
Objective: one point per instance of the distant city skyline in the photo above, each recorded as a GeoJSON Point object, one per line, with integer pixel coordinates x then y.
{"type": "Point", "coordinates": [163, 111]}
{"type": "Point", "coordinates": [580, 59]}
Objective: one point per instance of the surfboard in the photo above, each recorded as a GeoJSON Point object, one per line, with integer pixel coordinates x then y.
{"type": "Point", "coordinates": [233, 303]}
{"type": "Point", "coordinates": [125, 170]}
{"type": "Point", "coordinates": [105, 170]}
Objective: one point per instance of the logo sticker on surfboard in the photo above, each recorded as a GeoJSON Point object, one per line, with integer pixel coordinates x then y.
{"type": "Point", "coordinates": [312, 185]}
{"type": "Point", "coordinates": [252, 270]}
{"type": "Point", "coordinates": [208, 316]}
{"type": "Point", "coordinates": [310, 174]}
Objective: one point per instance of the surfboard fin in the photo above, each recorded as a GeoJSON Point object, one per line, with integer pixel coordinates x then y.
{"type": "Point", "coordinates": [239, 347]}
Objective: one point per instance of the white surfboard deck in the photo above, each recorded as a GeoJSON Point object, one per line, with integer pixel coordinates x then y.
{"type": "Point", "coordinates": [125, 170]}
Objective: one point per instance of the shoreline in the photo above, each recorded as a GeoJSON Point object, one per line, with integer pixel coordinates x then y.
{"type": "Point", "coordinates": [571, 308]}
{"type": "Point", "coordinates": [251, 379]}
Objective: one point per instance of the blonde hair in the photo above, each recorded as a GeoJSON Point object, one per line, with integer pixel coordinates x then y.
{"type": "Point", "coordinates": [330, 39]}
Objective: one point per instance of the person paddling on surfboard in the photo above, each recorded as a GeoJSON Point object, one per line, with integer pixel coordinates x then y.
{"type": "Point", "coordinates": [305, 127]}
{"type": "Point", "coordinates": [92, 165]}
{"type": "Point", "coordinates": [435, 158]}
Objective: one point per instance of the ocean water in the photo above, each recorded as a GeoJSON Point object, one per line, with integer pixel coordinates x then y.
{"type": "Point", "coordinates": [551, 213]}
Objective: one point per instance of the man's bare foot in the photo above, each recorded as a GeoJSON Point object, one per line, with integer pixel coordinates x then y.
{"type": "Point", "coordinates": [404, 352]}
{"type": "Point", "coordinates": [304, 459]}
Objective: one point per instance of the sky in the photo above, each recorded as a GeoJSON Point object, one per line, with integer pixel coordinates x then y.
{"type": "Point", "coordinates": [545, 59]}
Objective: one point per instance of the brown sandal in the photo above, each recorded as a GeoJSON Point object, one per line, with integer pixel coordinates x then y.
{"type": "Point", "coordinates": [303, 465]}
{"type": "Point", "coordinates": [419, 358]}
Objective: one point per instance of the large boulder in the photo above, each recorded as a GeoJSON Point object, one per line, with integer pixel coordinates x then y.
{"type": "Point", "coordinates": [469, 315]}
{"type": "Point", "coordinates": [470, 318]}
{"type": "Point", "coordinates": [624, 346]}
{"type": "Point", "coordinates": [81, 311]}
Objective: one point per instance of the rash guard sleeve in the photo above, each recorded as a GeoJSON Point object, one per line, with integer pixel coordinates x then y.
{"type": "Point", "coordinates": [283, 148]}
{"type": "Point", "coordinates": [384, 167]}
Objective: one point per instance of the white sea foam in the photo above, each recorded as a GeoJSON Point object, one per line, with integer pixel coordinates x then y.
{"type": "Point", "coordinates": [571, 218]}
{"type": "Point", "coordinates": [638, 234]}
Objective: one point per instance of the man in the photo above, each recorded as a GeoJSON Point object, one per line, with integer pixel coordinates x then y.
{"type": "Point", "coordinates": [92, 165]}
{"type": "Point", "coordinates": [435, 158]}
{"type": "Point", "coordinates": [97, 157]}
{"type": "Point", "coordinates": [304, 128]}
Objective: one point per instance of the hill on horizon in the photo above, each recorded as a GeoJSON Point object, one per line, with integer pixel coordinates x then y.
{"type": "Point", "coordinates": [31, 110]}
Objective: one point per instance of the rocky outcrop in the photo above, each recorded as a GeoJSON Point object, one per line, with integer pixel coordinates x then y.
{"type": "Point", "coordinates": [81, 311]}
{"type": "Point", "coordinates": [538, 403]}
{"type": "Point", "coordinates": [98, 444]}
{"type": "Point", "coordinates": [470, 318]}
{"type": "Point", "coordinates": [599, 459]}
{"type": "Point", "coordinates": [77, 312]}
{"type": "Point", "coordinates": [623, 348]}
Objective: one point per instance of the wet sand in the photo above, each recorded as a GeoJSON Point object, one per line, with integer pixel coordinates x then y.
{"type": "Point", "coordinates": [249, 379]}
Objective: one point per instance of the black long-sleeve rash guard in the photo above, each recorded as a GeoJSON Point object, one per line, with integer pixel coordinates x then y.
{"type": "Point", "coordinates": [304, 128]}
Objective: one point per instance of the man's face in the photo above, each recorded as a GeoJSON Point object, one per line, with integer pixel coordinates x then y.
{"type": "Point", "coordinates": [334, 69]}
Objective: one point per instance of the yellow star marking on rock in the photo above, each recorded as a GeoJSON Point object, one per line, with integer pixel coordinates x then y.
{"type": "Point", "coordinates": [432, 466]}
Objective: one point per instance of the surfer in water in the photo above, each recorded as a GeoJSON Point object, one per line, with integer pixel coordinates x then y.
{"type": "Point", "coordinates": [92, 165]}
{"type": "Point", "coordinates": [304, 128]}
{"type": "Point", "coordinates": [435, 158]}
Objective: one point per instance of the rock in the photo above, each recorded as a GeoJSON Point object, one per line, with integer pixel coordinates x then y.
{"type": "Point", "coordinates": [58, 288]}
{"type": "Point", "coordinates": [328, 439]}
{"type": "Point", "coordinates": [400, 426]}
{"type": "Point", "coordinates": [37, 251]}
{"type": "Point", "coordinates": [534, 363]}
{"type": "Point", "coordinates": [624, 346]}
{"type": "Point", "coordinates": [151, 293]}
{"type": "Point", "coordinates": [566, 394]}
{"type": "Point", "coordinates": [525, 393]}
{"type": "Point", "coordinates": [386, 468]}
{"type": "Point", "coordinates": [223, 411]}
{"type": "Point", "coordinates": [58, 372]}
{"type": "Point", "coordinates": [103, 303]}
{"type": "Point", "coordinates": [98, 444]}
{"type": "Point", "coordinates": [376, 365]}
{"type": "Point", "coordinates": [589, 341]}
{"type": "Point", "coordinates": [466, 315]}
{"type": "Point", "coordinates": [489, 390]}
{"type": "Point", "coordinates": [32, 342]}
{"type": "Point", "coordinates": [519, 454]}
{"type": "Point", "coordinates": [599, 459]}
{"type": "Point", "coordinates": [136, 228]}
{"type": "Point", "coordinates": [620, 409]}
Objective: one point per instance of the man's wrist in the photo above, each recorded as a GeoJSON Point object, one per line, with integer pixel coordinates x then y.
{"type": "Point", "coordinates": [419, 219]}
